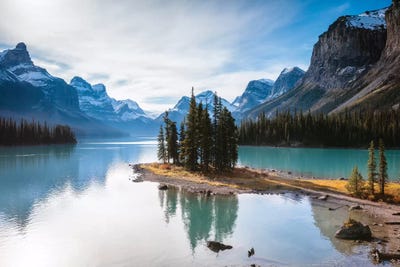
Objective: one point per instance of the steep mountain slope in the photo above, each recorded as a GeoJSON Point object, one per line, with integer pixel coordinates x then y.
{"type": "Point", "coordinates": [125, 115]}
{"type": "Point", "coordinates": [342, 55]}
{"type": "Point", "coordinates": [286, 81]}
{"type": "Point", "coordinates": [94, 100]}
{"type": "Point", "coordinates": [260, 91]}
{"type": "Point", "coordinates": [28, 91]}
{"type": "Point", "coordinates": [180, 110]}
{"type": "Point", "coordinates": [380, 87]}
{"type": "Point", "coordinates": [256, 92]}
{"type": "Point", "coordinates": [51, 94]}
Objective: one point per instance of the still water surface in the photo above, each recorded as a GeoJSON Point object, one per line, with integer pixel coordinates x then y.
{"type": "Point", "coordinates": [77, 206]}
{"type": "Point", "coordinates": [319, 162]}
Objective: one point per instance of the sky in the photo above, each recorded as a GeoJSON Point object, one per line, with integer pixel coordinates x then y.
{"type": "Point", "coordinates": [154, 51]}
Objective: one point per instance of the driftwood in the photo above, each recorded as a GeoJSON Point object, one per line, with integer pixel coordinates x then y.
{"type": "Point", "coordinates": [381, 256]}
{"type": "Point", "coordinates": [392, 223]}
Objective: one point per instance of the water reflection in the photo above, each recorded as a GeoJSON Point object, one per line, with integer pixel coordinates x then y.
{"type": "Point", "coordinates": [329, 221]}
{"type": "Point", "coordinates": [204, 217]}
{"type": "Point", "coordinates": [29, 175]}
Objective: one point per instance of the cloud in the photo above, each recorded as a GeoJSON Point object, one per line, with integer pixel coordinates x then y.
{"type": "Point", "coordinates": [149, 50]}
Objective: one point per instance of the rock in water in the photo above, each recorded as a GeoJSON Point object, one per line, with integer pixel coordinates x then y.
{"type": "Point", "coordinates": [250, 252]}
{"type": "Point", "coordinates": [163, 187]}
{"type": "Point", "coordinates": [217, 246]}
{"type": "Point", "coordinates": [353, 230]}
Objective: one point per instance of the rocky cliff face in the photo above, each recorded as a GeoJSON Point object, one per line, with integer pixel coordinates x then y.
{"type": "Point", "coordinates": [343, 55]}
{"type": "Point", "coordinates": [379, 88]}
{"type": "Point", "coordinates": [256, 92]}
{"type": "Point", "coordinates": [286, 81]}
{"type": "Point", "coordinates": [346, 51]}
{"type": "Point", "coordinates": [93, 100]}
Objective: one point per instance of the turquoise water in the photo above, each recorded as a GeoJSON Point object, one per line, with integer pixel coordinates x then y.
{"type": "Point", "coordinates": [324, 163]}
{"type": "Point", "coordinates": [78, 206]}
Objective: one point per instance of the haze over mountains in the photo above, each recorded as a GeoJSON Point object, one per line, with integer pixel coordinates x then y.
{"type": "Point", "coordinates": [354, 66]}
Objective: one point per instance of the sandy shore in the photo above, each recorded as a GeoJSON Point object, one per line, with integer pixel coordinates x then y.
{"type": "Point", "coordinates": [247, 180]}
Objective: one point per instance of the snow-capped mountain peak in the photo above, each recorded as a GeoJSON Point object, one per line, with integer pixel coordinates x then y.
{"type": "Point", "coordinates": [17, 56]}
{"type": "Point", "coordinates": [370, 20]}
{"type": "Point", "coordinates": [18, 62]}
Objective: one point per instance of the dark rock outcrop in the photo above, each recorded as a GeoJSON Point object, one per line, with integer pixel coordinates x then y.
{"type": "Point", "coordinates": [217, 246]}
{"type": "Point", "coordinates": [353, 230]}
{"type": "Point", "coordinates": [163, 187]}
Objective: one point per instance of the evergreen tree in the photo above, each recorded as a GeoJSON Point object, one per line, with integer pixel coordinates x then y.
{"type": "Point", "coordinates": [371, 168]}
{"type": "Point", "coordinates": [355, 183]}
{"type": "Point", "coordinates": [202, 142]}
{"type": "Point", "coordinates": [383, 176]}
{"type": "Point", "coordinates": [182, 136]}
{"type": "Point", "coordinates": [161, 153]}
{"type": "Point", "coordinates": [172, 142]}
{"type": "Point", "coordinates": [167, 137]}
{"type": "Point", "coordinates": [206, 139]}
{"type": "Point", "coordinates": [190, 144]}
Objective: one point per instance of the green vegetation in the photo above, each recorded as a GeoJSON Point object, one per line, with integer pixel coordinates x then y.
{"type": "Point", "coordinates": [161, 153]}
{"type": "Point", "coordinates": [355, 184]}
{"type": "Point", "coordinates": [33, 133]}
{"type": "Point", "coordinates": [202, 143]}
{"type": "Point", "coordinates": [383, 176]}
{"type": "Point", "coordinates": [371, 168]}
{"type": "Point", "coordinates": [346, 129]}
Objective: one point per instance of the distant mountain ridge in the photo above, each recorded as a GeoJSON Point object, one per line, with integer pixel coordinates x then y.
{"type": "Point", "coordinates": [29, 91]}
{"type": "Point", "coordinates": [180, 110]}
{"type": "Point", "coordinates": [260, 91]}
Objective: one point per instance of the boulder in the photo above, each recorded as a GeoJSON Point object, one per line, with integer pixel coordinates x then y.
{"type": "Point", "coordinates": [217, 246]}
{"type": "Point", "coordinates": [163, 187]}
{"type": "Point", "coordinates": [353, 230]}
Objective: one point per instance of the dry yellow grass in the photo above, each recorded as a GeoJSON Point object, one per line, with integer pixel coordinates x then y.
{"type": "Point", "coordinates": [243, 178]}
{"type": "Point", "coordinates": [334, 185]}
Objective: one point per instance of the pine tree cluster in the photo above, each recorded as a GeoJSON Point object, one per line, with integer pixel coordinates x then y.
{"type": "Point", "coordinates": [356, 184]}
{"type": "Point", "coordinates": [346, 129]}
{"type": "Point", "coordinates": [202, 142]}
{"type": "Point", "coordinates": [33, 133]}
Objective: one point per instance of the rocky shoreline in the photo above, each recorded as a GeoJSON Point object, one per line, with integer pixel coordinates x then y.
{"type": "Point", "coordinates": [383, 219]}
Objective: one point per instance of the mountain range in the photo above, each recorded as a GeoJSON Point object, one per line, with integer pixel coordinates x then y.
{"type": "Point", "coordinates": [354, 66]}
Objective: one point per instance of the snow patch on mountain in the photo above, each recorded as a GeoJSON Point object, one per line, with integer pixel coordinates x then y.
{"type": "Point", "coordinates": [370, 20]}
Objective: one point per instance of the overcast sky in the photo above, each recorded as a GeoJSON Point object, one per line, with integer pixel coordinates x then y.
{"type": "Point", "coordinates": [154, 51]}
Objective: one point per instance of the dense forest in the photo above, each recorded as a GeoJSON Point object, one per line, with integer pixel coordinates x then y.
{"type": "Point", "coordinates": [33, 133]}
{"type": "Point", "coordinates": [203, 142]}
{"type": "Point", "coordinates": [346, 129]}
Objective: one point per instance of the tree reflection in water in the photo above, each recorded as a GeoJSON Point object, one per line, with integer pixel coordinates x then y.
{"type": "Point", "coordinates": [205, 217]}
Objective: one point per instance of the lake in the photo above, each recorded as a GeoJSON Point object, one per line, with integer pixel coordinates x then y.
{"type": "Point", "coordinates": [78, 206]}
{"type": "Point", "coordinates": [318, 162]}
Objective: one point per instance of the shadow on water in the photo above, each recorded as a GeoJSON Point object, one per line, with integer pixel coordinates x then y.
{"type": "Point", "coordinates": [204, 217]}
